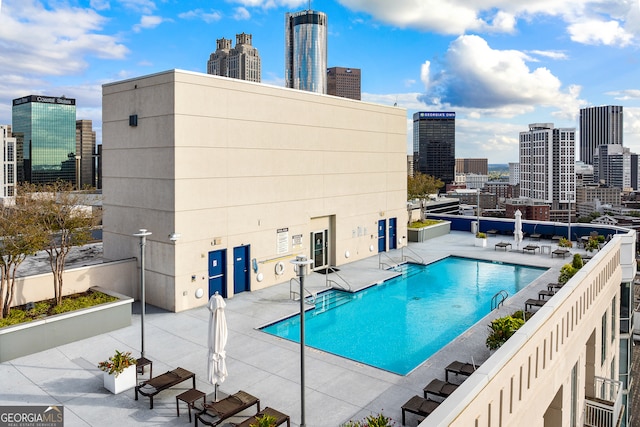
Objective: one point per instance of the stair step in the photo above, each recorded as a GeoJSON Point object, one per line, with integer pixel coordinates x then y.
{"type": "Point", "coordinates": [331, 299]}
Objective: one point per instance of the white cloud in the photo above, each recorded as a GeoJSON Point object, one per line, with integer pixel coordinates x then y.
{"type": "Point", "coordinates": [625, 95]}
{"type": "Point", "coordinates": [147, 22]}
{"type": "Point", "coordinates": [269, 4]}
{"type": "Point", "coordinates": [425, 70]}
{"type": "Point", "coordinates": [588, 21]}
{"type": "Point", "coordinates": [241, 14]}
{"type": "Point", "coordinates": [100, 4]}
{"type": "Point", "coordinates": [498, 82]}
{"type": "Point", "coordinates": [551, 54]}
{"type": "Point", "coordinates": [41, 41]}
{"type": "Point", "coordinates": [208, 17]}
{"type": "Point", "coordinates": [596, 32]}
{"type": "Point", "coordinates": [143, 6]}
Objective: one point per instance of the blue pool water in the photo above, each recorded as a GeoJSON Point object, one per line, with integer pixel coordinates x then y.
{"type": "Point", "coordinates": [400, 323]}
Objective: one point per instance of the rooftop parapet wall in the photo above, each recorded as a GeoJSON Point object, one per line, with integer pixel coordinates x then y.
{"type": "Point", "coordinates": [530, 375]}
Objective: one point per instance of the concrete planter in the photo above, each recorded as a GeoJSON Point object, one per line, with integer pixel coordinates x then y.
{"type": "Point", "coordinates": [423, 234]}
{"type": "Point", "coordinates": [481, 242]}
{"type": "Point", "coordinates": [32, 337]}
{"type": "Point", "coordinates": [126, 380]}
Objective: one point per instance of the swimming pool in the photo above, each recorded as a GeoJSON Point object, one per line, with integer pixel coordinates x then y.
{"type": "Point", "coordinates": [398, 324]}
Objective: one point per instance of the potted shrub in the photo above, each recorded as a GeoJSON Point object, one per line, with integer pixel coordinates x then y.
{"type": "Point", "coordinates": [481, 239]}
{"type": "Point", "coordinates": [565, 243]}
{"type": "Point", "coordinates": [264, 421]}
{"type": "Point", "coordinates": [502, 329]}
{"type": "Point", "coordinates": [119, 372]}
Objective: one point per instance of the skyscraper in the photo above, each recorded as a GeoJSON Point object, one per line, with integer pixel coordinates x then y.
{"type": "Point", "coordinates": [344, 82]}
{"type": "Point", "coordinates": [48, 125]}
{"type": "Point", "coordinates": [599, 125]}
{"type": "Point", "coordinates": [434, 144]}
{"type": "Point", "coordinates": [616, 166]}
{"type": "Point", "coordinates": [241, 62]}
{"type": "Point", "coordinates": [306, 51]}
{"type": "Point", "coordinates": [85, 149]}
{"type": "Point", "coordinates": [8, 172]}
{"type": "Point", "coordinates": [547, 167]}
{"type": "Point", "coordinates": [218, 60]}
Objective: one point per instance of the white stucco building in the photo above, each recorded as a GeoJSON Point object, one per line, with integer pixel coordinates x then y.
{"type": "Point", "coordinates": [249, 176]}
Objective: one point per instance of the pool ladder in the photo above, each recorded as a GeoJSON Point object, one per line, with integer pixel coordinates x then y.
{"type": "Point", "coordinates": [499, 298]}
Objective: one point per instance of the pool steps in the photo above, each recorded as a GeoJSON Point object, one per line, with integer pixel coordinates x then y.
{"type": "Point", "coordinates": [329, 300]}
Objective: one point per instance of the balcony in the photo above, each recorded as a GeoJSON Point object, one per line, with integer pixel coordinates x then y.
{"type": "Point", "coordinates": [605, 408]}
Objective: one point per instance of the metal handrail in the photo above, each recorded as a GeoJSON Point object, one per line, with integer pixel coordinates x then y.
{"type": "Point", "coordinates": [380, 263]}
{"type": "Point", "coordinates": [405, 257]}
{"type": "Point", "coordinates": [502, 295]}
{"type": "Point", "coordinates": [328, 281]}
{"type": "Point", "coordinates": [293, 293]}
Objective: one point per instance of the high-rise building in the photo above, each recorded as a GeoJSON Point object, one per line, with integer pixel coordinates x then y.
{"type": "Point", "coordinates": [306, 51]}
{"type": "Point", "coordinates": [218, 60]}
{"type": "Point", "coordinates": [85, 149]}
{"type": "Point", "coordinates": [344, 82]}
{"type": "Point", "coordinates": [241, 62]}
{"type": "Point", "coordinates": [48, 126]}
{"type": "Point", "coordinates": [514, 173]}
{"type": "Point", "coordinates": [434, 144]}
{"type": "Point", "coordinates": [615, 166]}
{"type": "Point", "coordinates": [599, 125]}
{"type": "Point", "coordinates": [8, 172]}
{"type": "Point", "coordinates": [477, 166]}
{"type": "Point", "coordinates": [547, 167]}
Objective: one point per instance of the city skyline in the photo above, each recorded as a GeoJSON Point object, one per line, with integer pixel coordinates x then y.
{"type": "Point", "coordinates": [498, 67]}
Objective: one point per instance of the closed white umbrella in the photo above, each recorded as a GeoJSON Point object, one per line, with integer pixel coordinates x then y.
{"type": "Point", "coordinates": [517, 232]}
{"type": "Point", "coordinates": [217, 366]}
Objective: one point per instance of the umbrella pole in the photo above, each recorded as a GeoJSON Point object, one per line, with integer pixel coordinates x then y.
{"type": "Point", "coordinates": [215, 393]}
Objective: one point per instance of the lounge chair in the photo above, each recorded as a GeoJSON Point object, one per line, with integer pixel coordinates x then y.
{"type": "Point", "coordinates": [534, 303]}
{"type": "Point", "coordinates": [439, 388]}
{"type": "Point", "coordinates": [560, 252]}
{"type": "Point", "coordinates": [279, 416]}
{"type": "Point", "coordinates": [162, 382]}
{"type": "Point", "coordinates": [459, 368]}
{"type": "Point", "coordinates": [502, 245]}
{"type": "Point", "coordinates": [419, 406]}
{"type": "Point", "coordinates": [543, 294]}
{"type": "Point", "coordinates": [215, 412]}
{"type": "Point", "coordinates": [531, 248]}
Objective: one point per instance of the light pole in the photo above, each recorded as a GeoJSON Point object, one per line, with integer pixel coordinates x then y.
{"type": "Point", "coordinates": [78, 172]}
{"type": "Point", "coordinates": [301, 263]}
{"type": "Point", "coordinates": [142, 234]}
{"type": "Point", "coordinates": [478, 212]}
{"type": "Point", "coordinates": [569, 197]}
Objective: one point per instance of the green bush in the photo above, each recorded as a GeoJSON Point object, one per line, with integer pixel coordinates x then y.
{"type": "Point", "coordinates": [424, 223]}
{"type": "Point", "coordinates": [47, 308]}
{"type": "Point", "coordinates": [502, 329]}
{"type": "Point", "coordinates": [379, 420]}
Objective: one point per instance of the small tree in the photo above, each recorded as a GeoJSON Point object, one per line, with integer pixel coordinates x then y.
{"type": "Point", "coordinates": [420, 186]}
{"type": "Point", "coordinates": [65, 223]}
{"type": "Point", "coordinates": [21, 236]}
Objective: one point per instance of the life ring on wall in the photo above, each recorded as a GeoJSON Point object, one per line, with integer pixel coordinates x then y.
{"type": "Point", "coordinates": [279, 268]}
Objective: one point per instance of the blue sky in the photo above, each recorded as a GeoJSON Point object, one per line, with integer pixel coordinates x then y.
{"type": "Point", "coordinates": [499, 64]}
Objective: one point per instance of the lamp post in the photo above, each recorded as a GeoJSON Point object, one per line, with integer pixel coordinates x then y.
{"type": "Point", "coordinates": [301, 262]}
{"type": "Point", "coordinates": [78, 172]}
{"type": "Point", "coordinates": [569, 197]}
{"type": "Point", "coordinates": [142, 234]}
{"type": "Point", "coordinates": [478, 211]}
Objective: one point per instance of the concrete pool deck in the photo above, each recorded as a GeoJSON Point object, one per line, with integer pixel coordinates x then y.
{"type": "Point", "coordinates": [337, 390]}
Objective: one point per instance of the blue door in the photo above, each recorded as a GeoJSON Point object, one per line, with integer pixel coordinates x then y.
{"type": "Point", "coordinates": [382, 235]}
{"type": "Point", "coordinates": [240, 269]}
{"type": "Point", "coordinates": [217, 272]}
{"type": "Point", "coordinates": [393, 241]}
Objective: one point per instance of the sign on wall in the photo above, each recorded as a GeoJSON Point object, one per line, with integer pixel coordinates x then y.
{"type": "Point", "coordinates": [282, 241]}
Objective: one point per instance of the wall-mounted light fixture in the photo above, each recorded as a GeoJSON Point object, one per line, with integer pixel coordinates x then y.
{"type": "Point", "coordinates": [174, 237]}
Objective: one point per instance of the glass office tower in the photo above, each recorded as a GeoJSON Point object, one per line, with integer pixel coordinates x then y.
{"type": "Point", "coordinates": [434, 144]}
{"type": "Point", "coordinates": [306, 51]}
{"type": "Point", "coordinates": [48, 125]}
